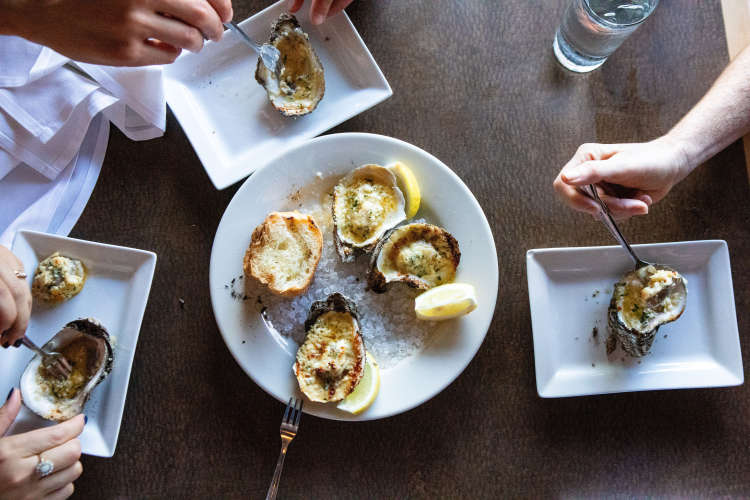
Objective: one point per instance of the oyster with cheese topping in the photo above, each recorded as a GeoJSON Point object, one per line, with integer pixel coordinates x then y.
{"type": "Point", "coordinates": [331, 361]}
{"type": "Point", "coordinates": [367, 202]}
{"type": "Point", "coordinates": [87, 347]}
{"type": "Point", "coordinates": [418, 254]}
{"type": "Point", "coordinates": [642, 301]}
{"type": "Point", "coordinates": [58, 278]}
{"type": "Point", "coordinates": [300, 85]}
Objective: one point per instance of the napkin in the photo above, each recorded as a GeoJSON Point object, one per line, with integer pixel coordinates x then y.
{"type": "Point", "coordinates": [54, 126]}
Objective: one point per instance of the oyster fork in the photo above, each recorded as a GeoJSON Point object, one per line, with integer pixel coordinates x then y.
{"type": "Point", "coordinates": [269, 54]}
{"type": "Point", "coordinates": [52, 361]}
{"type": "Point", "coordinates": [606, 217]}
{"type": "Point", "coordinates": [289, 426]}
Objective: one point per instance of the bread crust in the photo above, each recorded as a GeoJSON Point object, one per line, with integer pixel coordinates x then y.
{"type": "Point", "coordinates": [305, 232]}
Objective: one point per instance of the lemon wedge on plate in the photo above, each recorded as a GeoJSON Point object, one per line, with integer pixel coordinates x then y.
{"type": "Point", "coordinates": [366, 391]}
{"type": "Point", "coordinates": [446, 301]}
{"type": "Point", "coordinates": [409, 186]}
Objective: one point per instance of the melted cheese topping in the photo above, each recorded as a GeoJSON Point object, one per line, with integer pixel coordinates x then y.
{"type": "Point", "coordinates": [58, 278]}
{"type": "Point", "coordinates": [421, 259]}
{"type": "Point", "coordinates": [297, 75]}
{"type": "Point", "coordinates": [646, 295]}
{"type": "Point", "coordinates": [330, 363]}
{"type": "Point", "coordinates": [362, 207]}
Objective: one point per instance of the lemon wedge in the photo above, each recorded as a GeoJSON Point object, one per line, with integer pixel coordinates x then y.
{"type": "Point", "coordinates": [446, 301]}
{"type": "Point", "coordinates": [366, 391]}
{"type": "Point", "coordinates": [409, 186]}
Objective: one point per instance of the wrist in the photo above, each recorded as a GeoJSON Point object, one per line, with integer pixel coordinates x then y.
{"type": "Point", "coordinates": [687, 153]}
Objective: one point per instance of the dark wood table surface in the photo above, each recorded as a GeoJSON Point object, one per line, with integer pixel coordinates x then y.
{"type": "Point", "coordinates": [475, 83]}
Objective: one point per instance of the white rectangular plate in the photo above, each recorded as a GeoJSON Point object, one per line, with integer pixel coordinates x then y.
{"type": "Point", "coordinates": [226, 114]}
{"type": "Point", "coordinates": [570, 290]}
{"type": "Point", "coordinates": [116, 291]}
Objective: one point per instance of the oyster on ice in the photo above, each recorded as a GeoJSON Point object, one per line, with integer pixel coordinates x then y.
{"type": "Point", "coordinates": [418, 254]}
{"type": "Point", "coordinates": [86, 345]}
{"type": "Point", "coordinates": [331, 361]}
{"type": "Point", "coordinates": [642, 301]}
{"type": "Point", "coordinates": [300, 84]}
{"type": "Point", "coordinates": [367, 202]}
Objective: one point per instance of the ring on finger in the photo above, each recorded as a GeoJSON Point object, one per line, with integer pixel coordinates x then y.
{"type": "Point", "coordinates": [20, 274]}
{"type": "Point", "coordinates": [44, 468]}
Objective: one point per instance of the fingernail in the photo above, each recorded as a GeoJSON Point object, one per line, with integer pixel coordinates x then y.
{"type": "Point", "coordinates": [85, 420]}
{"type": "Point", "coordinates": [17, 343]}
{"type": "Point", "coordinates": [318, 18]}
{"type": "Point", "coordinates": [10, 394]}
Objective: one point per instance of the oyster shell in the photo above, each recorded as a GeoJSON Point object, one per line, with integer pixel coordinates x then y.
{"type": "Point", "coordinates": [418, 254]}
{"type": "Point", "coordinates": [301, 82]}
{"type": "Point", "coordinates": [86, 345]}
{"type": "Point", "coordinates": [331, 361]}
{"type": "Point", "coordinates": [367, 202]}
{"type": "Point", "coordinates": [642, 301]}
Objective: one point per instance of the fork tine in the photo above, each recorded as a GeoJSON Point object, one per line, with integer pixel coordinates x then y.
{"type": "Point", "coordinates": [298, 415]}
{"type": "Point", "coordinates": [286, 413]}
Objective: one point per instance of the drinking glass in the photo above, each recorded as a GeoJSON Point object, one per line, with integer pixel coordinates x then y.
{"type": "Point", "coordinates": [592, 29]}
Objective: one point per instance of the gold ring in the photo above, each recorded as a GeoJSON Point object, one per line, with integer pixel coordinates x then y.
{"type": "Point", "coordinates": [20, 274]}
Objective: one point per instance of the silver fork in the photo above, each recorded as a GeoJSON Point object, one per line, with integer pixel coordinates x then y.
{"type": "Point", "coordinates": [269, 54]}
{"type": "Point", "coordinates": [289, 426]}
{"type": "Point", "coordinates": [609, 222]}
{"type": "Point", "coordinates": [52, 361]}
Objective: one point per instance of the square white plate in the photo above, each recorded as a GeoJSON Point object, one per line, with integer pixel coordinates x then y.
{"type": "Point", "coordinates": [570, 290]}
{"type": "Point", "coordinates": [115, 293]}
{"type": "Point", "coordinates": [226, 114]}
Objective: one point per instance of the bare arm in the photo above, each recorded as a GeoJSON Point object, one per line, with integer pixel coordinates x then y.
{"type": "Point", "coordinates": [116, 32]}
{"type": "Point", "coordinates": [721, 117]}
{"type": "Point", "coordinates": [649, 170]}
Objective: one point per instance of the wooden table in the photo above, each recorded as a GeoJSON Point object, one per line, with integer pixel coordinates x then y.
{"type": "Point", "coordinates": [506, 120]}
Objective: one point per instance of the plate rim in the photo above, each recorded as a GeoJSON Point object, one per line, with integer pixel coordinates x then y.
{"type": "Point", "coordinates": [719, 244]}
{"type": "Point", "coordinates": [495, 270]}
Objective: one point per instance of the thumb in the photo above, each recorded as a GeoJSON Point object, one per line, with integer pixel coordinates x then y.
{"type": "Point", "coordinates": [593, 171]}
{"type": "Point", "coordinates": [9, 410]}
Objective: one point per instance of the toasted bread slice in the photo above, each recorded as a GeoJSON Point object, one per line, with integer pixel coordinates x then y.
{"type": "Point", "coordinates": [284, 252]}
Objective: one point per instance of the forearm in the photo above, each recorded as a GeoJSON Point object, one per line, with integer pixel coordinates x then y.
{"type": "Point", "coordinates": [720, 117]}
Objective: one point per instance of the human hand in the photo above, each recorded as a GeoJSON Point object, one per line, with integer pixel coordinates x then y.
{"type": "Point", "coordinates": [15, 300]}
{"type": "Point", "coordinates": [320, 10]}
{"type": "Point", "coordinates": [118, 32]}
{"type": "Point", "coordinates": [19, 456]}
{"type": "Point", "coordinates": [629, 177]}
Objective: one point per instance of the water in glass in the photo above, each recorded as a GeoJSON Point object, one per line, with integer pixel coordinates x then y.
{"type": "Point", "coordinates": [592, 29]}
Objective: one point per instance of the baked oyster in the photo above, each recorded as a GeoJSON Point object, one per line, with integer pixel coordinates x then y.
{"type": "Point", "coordinates": [331, 361]}
{"type": "Point", "coordinates": [86, 345]}
{"type": "Point", "coordinates": [58, 278]}
{"type": "Point", "coordinates": [367, 202]}
{"type": "Point", "coordinates": [642, 301]}
{"type": "Point", "coordinates": [300, 85]}
{"type": "Point", "coordinates": [418, 254]}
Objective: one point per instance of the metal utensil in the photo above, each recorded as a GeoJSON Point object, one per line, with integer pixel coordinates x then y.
{"type": "Point", "coordinates": [54, 362]}
{"type": "Point", "coordinates": [269, 54]}
{"type": "Point", "coordinates": [289, 426]}
{"type": "Point", "coordinates": [606, 217]}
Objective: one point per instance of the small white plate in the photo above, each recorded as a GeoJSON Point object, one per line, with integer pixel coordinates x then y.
{"type": "Point", "coordinates": [268, 358]}
{"type": "Point", "coordinates": [115, 293]}
{"type": "Point", "coordinates": [569, 293]}
{"type": "Point", "coordinates": [226, 114]}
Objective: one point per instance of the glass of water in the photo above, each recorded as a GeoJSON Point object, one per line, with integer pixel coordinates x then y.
{"type": "Point", "coordinates": [592, 29]}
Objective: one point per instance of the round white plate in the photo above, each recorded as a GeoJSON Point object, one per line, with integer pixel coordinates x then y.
{"type": "Point", "coordinates": [446, 201]}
